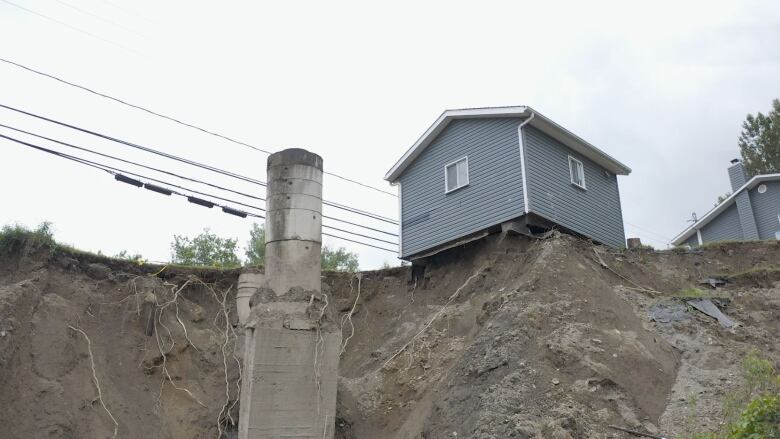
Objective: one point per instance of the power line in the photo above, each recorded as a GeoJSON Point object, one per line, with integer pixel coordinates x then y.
{"type": "Point", "coordinates": [69, 26]}
{"type": "Point", "coordinates": [93, 15]}
{"type": "Point", "coordinates": [119, 173]}
{"type": "Point", "coordinates": [178, 121]}
{"type": "Point", "coordinates": [658, 235]}
{"type": "Point", "coordinates": [361, 243]}
{"type": "Point", "coordinates": [190, 162]}
{"type": "Point", "coordinates": [194, 180]}
{"type": "Point", "coordinates": [177, 175]}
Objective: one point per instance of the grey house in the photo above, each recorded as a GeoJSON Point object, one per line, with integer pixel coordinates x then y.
{"type": "Point", "coordinates": [475, 171]}
{"type": "Point", "coordinates": [751, 212]}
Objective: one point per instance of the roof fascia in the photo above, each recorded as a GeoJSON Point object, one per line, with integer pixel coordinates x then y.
{"type": "Point", "coordinates": [540, 121]}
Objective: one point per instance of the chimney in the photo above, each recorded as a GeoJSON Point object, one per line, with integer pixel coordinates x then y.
{"type": "Point", "coordinates": [737, 174]}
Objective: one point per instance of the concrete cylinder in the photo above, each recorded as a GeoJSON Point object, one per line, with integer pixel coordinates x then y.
{"type": "Point", "coordinates": [293, 224]}
{"type": "Point", "coordinates": [248, 284]}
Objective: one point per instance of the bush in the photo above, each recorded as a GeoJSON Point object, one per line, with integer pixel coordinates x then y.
{"type": "Point", "coordinates": [760, 420]}
{"type": "Point", "coordinates": [752, 411]}
{"type": "Point", "coordinates": [19, 239]}
{"type": "Point", "coordinates": [205, 249]}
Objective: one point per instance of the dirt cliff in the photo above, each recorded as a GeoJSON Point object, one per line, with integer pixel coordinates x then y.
{"type": "Point", "coordinates": [505, 338]}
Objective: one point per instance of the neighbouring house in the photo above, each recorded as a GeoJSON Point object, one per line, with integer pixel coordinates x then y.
{"type": "Point", "coordinates": [751, 212]}
{"type": "Point", "coordinates": [475, 171]}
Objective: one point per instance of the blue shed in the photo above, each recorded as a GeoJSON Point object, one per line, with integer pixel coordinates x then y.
{"type": "Point", "coordinates": [475, 171]}
{"type": "Point", "coordinates": [751, 212]}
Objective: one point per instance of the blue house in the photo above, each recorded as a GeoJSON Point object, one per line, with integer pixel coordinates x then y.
{"type": "Point", "coordinates": [750, 213]}
{"type": "Point", "coordinates": [477, 171]}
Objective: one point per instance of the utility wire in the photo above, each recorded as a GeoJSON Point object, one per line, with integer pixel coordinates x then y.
{"type": "Point", "coordinates": [69, 26]}
{"type": "Point", "coordinates": [180, 122]}
{"type": "Point", "coordinates": [177, 175]}
{"type": "Point", "coordinates": [194, 180]}
{"type": "Point", "coordinates": [658, 235]}
{"type": "Point", "coordinates": [361, 243]}
{"type": "Point", "coordinates": [93, 15]}
{"type": "Point", "coordinates": [117, 171]}
{"type": "Point", "coordinates": [191, 162]}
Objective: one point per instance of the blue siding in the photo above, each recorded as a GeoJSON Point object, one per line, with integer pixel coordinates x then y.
{"type": "Point", "coordinates": [766, 209]}
{"type": "Point", "coordinates": [494, 194]}
{"type": "Point", "coordinates": [594, 212]}
{"type": "Point", "coordinates": [693, 241]}
{"type": "Point", "coordinates": [725, 227]}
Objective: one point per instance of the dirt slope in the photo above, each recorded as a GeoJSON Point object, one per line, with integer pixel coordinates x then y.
{"type": "Point", "coordinates": [503, 338]}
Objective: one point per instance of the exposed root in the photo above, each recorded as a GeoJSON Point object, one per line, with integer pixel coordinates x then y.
{"type": "Point", "coordinates": [166, 376]}
{"type": "Point", "coordinates": [636, 286]}
{"type": "Point", "coordinates": [348, 317]}
{"type": "Point", "coordinates": [95, 379]}
{"type": "Point", "coordinates": [433, 319]}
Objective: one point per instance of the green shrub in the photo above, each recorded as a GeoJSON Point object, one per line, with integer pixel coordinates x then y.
{"type": "Point", "coordinates": [753, 410]}
{"type": "Point", "coordinates": [760, 420]}
{"type": "Point", "coordinates": [18, 239]}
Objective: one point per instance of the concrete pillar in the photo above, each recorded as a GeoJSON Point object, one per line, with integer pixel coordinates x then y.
{"type": "Point", "coordinates": [293, 223]}
{"type": "Point", "coordinates": [293, 342]}
{"type": "Point", "coordinates": [249, 283]}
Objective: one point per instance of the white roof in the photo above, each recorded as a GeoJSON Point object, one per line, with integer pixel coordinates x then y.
{"type": "Point", "coordinates": [539, 121]}
{"type": "Point", "coordinates": [715, 211]}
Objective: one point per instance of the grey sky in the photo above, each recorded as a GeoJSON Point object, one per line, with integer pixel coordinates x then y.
{"type": "Point", "coordinates": [662, 86]}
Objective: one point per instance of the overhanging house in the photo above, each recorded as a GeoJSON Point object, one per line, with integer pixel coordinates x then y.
{"type": "Point", "coordinates": [751, 212]}
{"type": "Point", "coordinates": [476, 170]}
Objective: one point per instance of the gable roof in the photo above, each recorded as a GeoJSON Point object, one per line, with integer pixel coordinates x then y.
{"type": "Point", "coordinates": [538, 121]}
{"type": "Point", "coordinates": [717, 210]}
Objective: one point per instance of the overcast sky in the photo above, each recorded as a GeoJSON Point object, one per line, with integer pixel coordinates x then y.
{"type": "Point", "coordinates": [661, 86]}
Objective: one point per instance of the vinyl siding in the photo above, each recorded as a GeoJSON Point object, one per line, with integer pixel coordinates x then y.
{"type": "Point", "coordinates": [725, 227]}
{"type": "Point", "coordinates": [429, 216]}
{"type": "Point", "coordinates": [766, 209]}
{"type": "Point", "coordinates": [594, 212]}
{"type": "Point", "coordinates": [693, 241]}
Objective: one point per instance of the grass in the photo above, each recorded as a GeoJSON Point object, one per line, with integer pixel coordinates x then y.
{"type": "Point", "coordinates": [18, 239]}
{"type": "Point", "coordinates": [753, 271]}
{"type": "Point", "coordinates": [691, 293]}
{"type": "Point", "coordinates": [716, 244]}
{"type": "Point", "coordinates": [751, 411]}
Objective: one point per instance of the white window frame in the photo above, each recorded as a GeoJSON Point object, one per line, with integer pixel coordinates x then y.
{"type": "Point", "coordinates": [446, 179]}
{"type": "Point", "coordinates": [571, 173]}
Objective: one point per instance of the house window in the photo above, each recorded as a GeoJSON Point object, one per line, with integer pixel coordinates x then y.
{"type": "Point", "coordinates": [456, 174]}
{"type": "Point", "coordinates": [577, 172]}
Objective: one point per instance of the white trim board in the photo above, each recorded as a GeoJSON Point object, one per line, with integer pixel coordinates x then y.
{"type": "Point", "coordinates": [539, 121]}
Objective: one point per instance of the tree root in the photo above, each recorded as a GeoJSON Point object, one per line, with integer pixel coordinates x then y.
{"type": "Point", "coordinates": [433, 319]}
{"type": "Point", "coordinates": [348, 317]}
{"type": "Point", "coordinates": [95, 379]}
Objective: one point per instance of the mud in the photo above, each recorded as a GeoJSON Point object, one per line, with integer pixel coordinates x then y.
{"type": "Point", "coordinates": [503, 338]}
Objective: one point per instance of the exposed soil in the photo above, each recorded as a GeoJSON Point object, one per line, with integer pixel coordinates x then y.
{"type": "Point", "coordinates": [503, 338]}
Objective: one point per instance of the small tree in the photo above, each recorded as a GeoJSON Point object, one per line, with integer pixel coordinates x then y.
{"type": "Point", "coordinates": [255, 247]}
{"type": "Point", "coordinates": [205, 249]}
{"type": "Point", "coordinates": [759, 141]}
{"type": "Point", "coordinates": [338, 260]}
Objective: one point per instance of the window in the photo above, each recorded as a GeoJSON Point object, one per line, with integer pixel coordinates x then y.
{"type": "Point", "coordinates": [577, 172]}
{"type": "Point", "coordinates": [456, 175]}
{"type": "Point", "coordinates": [762, 189]}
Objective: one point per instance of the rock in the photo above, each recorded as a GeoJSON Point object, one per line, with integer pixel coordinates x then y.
{"type": "Point", "coordinates": [98, 271]}
{"type": "Point", "coordinates": [67, 263]}
{"type": "Point", "coordinates": [556, 381]}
